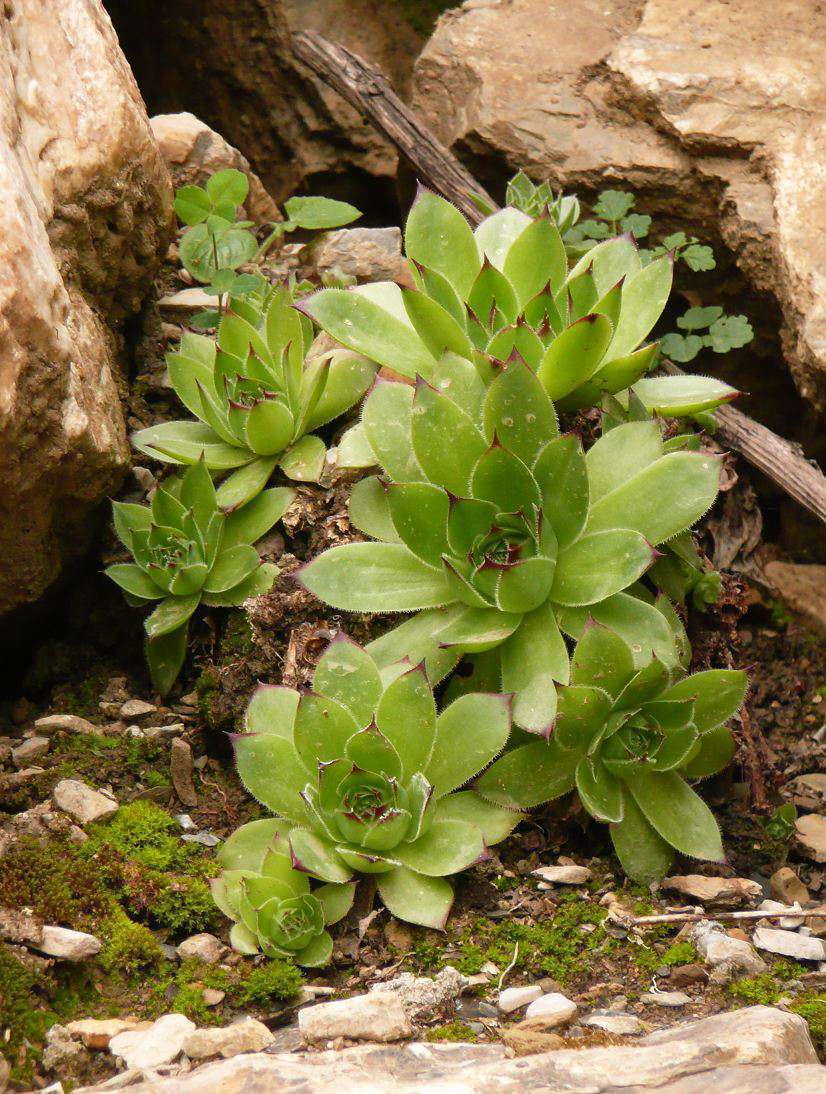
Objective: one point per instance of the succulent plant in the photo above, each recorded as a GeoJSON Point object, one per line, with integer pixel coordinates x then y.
{"type": "Point", "coordinates": [507, 287]}
{"type": "Point", "coordinates": [495, 528]}
{"type": "Point", "coordinates": [257, 396]}
{"type": "Point", "coordinates": [627, 739]}
{"type": "Point", "coordinates": [271, 903]}
{"type": "Point", "coordinates": [365, 775]}
{"type": "Point", "coordinates": [187, 551]}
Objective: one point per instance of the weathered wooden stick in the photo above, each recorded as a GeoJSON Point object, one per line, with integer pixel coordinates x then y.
{"type": "Point", "coordinates": [367, 89]}
{"type": "Point", "coordinates": [695, 917]}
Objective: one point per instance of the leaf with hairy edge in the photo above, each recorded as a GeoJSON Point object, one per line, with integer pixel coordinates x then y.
{"type": "Point", "coordinates": [348, 378]}
{"type": "Point", "coordinates": [336, 900]}
{"type": "Point", "coordinates": [317, 953]}
{"type": "Point", "coordinates": [718, 694]}
{"type": "Point", "coordinates": [599, 565]}
{"type": "Point", "coordinates": [165, 656]}
{"type": "Point", "coordinates": [256, 518]}
{"type": "Point", "coordinates": [170, 614]}
{"type": "Point", "coordinates": [677, 396]}
{"type": "Point", "coordinates": [663, 499]}
{"type": "Point", "coordinates": [435, 326]}
{"type": "Point", "coordinates": [610, 377]}
{"type": "Point", "coordinates": [418, 640]}
{"type": "Point", "coordinates": [479, 629]}
{"type": "Point", "coordinates": [642, 626]}
{"type": "Point", "coordinates": [680, 816]}
{"type": "Point", "coordinates": [493, 822]}
{"type": "Point", "coordinates": [716, 751]}
{"type": "Point", "coordinates": [470, 733]}
{"type": "Point", "coordinates": [562, 475]}
{"type": "Point", "coordinates": [354, 449]}
{"type": "Point", "coordinates": [186, 442]}
{"type": "Point", "coordinates": [436, 417]}
{"type": "Point", "coordinates": [419, 513]}
{"type": "Point", "coordinates": [612, 260]}
{"type": "Point", "coordinates": [272, 710]}
{"type": "Point", "coordinates": [529, 775]}
{"type": "Point", "coordinates": [533, 659]}
{"type": "Point", "coordinates": [602, 659]}
{"type": "Point", "coordinates": [493, 290]}
{"type": "Point", "coordinates": [271, 771]}
{"type": "Point", "coordinates": [322, 729]}
{"type": "Point", "coordinates": [231, 567]}
{"type": "Point", "coordinates": [406, 715]}
{"type": "Point", "coordinates": [387, 420]}
{"type": "Point", "coordinates": [643, 853]}
{"type": "Point", "coordinates": [446, 847]}
{"type": "Point", "coordinates": [368, 510]}
{"type": "Point", "coordinates": [425, 901]}
{"type": "Point", "coordinates": [502, 478]}
{"type": "Point", "coordinates": [348, 674]}
{"type": "Point", "coordinates": [313, 854]}
{"type": "Point", "coordinates": [575, 355]}
{"type": "Point", "coordinates": [374, 577]}
{"type": "Point", "coordinates": [242, 486]}
{"type": "Point", "coordinates": [581, 714]}
{"type": "Point", "coordinates": [366, 327]}
{"type": "Point", "coordinates": [619, 454]}
{"type": "Point", "coordinates": [644, 295]}
{"type": "Point", "coordinates": [133, 580]}
{"type": "Point", "coordinates": [598, 790]}
{"type": "Point", "coordinates": [248, 845]}
{"type": "Point", "coordinates": [459, 379]}
{"type": "Point", "coordinates": [260, 581]}
{"type": "Point", "coordinates": [304, 461]}
{"type": "Point", "coordinates": [497, 233]}
{"type": "Point", "coordinates": [535, 259]}
{"type": "Point", "coordinates": [436, 235]}
{"type": "Point", "coordinates": [518, 411]}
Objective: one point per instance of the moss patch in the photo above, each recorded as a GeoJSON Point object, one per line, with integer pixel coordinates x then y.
{"type": "Point", "coordinates": [453, 1031]}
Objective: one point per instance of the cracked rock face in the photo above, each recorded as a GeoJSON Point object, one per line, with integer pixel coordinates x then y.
{"type": "Point", "coordinates": [715, 109]}
{"type": "Point", "coordinates": [85, 213]}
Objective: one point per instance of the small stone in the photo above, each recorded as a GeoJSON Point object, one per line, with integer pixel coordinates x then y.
{"type": "Point", "coordinates": [726, 957]}
{"type": "Point", "coordinates": [82, 802]}
{"type": "Point", "coordinates": [188, 300]}
{"type": "Point", "coordinates": [29, 750]}
{"type": "Point", "coordinates": [810, 832]}
{"type": "Point", "coordinates": [67, 723]}
{"type": "Point", "coordinates": [206, 839]}
{"type": "Point", "coordinates": [173, 729]}
{"type": "Point", "coordinates": [425, 997]}
{"type": "Point", "coordinates": [683, 975]}
{"type": "Point", "coordinates": [135, 709]}
{"type": "Point", "coordinates": [60, 1047]}
{"type": "Point", "coordinates": [180, 767]}
{"type": "Point", "coordinates": [68, 945]}
{"type": "Point", "coordinates": [715, 892]}
{"type": "Point", "coordinates": [787, 887]}
{"type": "Point", "coordinates": [368, 254]}
{"type": "Point", "coordinates": [213, 996]}
{"type": "Point", "coordinates": [790, 944]}
{"type": "Point", "coordinates": [788, 922]}
{"type": "Point", "coordinates": [817, 925]}
{"type": "Point", "coordinates": [551, 1010]}
{"type": "Point", "coordinates": [549, 985]}
{"type": "Point", "coordinates": [807, 791]}
{"type": "Point", "coordinates": [622, 1025]}
{"type": "Point", "coordinates": [205, 947]}
{"type": "Point", "coordinates": [186, 822]}
{"type": "Point", "coordinates": [160, 1044]}
{"type": "Point", "coordinates": [245, 1035]}
{"type": "Point", "coordinates": [96, 1033]}
{"type": "Point", "coordinates": [20, 927]}
{"type": "Point", "coordinates": [527, 1038]}
{"type": "Point", "coordinates": [377, 1016]}
{"type": "Point", "coordinates": [513, 999]}
{"type": "Point", "coordinates": [563, 875]}
{"type": "Point", "coordinates": [665, 998]}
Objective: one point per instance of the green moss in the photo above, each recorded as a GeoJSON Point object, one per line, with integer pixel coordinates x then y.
{"type": "Point", "coordinates": [127, 947]}
{"type": "Point", "coordinates": [145, 833]}
{"type": "Point", "coordinates": [277, 979]}
{"type": "Point", "coordinates": [237, 640]}
{"type": "Point", "coordinates": [453, 1031]}
{"type": "Point", "coordinates": [681, 953]}
{"type": "Point", "coordinates": [24, 1018]}
{"type": "Point", "coordinates": [207, 690]}
{"type": "Point", "coordinates": [101, 758]}
{"type": "Point", "coordinates": [185, 905]}
{"type": "Point", "coordinates": [54, 881]}
{"type": "Point", "coordinates": [812, 1007]}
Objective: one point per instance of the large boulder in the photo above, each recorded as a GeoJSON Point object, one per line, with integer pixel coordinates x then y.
{"type": "Point", "coordinates": [231, 65]}
{"type": "Point", "coordinates": [85, 211]}
{"type": "Point", "coordinates": [714, 112]}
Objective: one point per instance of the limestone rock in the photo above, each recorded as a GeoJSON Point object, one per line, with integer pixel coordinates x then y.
{"type": "Point", "coordinates": [68, 945]}
{"type": "Point", "coordinates": [690, 107]}
{"type": "Point", "coordinates": [731, 1053]}
{"type": "Point", "coordinates": [160, 1044]}
{"type": "Point", "coordinates": [205, 947]}
{"type": "Point", "coordinates": [20, 926]}
{"type": "Point", "coordinates": [621, 1025]}
{"type": "Point", "coordinates": [60, 1047]}
{"type": "Point", "coordinates": [39, 821]}
{"type": "Point", "coordinates": [528, 1038]}
{"type": "Point", "coordinates": [192, 152]}
{"type": "Point", "coordinates": [66, 723]}
{"type": "Point", "coordinates": [31, 749]}
{"type": "Point", "coordinates": [726, 957]}
{"type": "Point", "coordinates": [715, 892]}
{"type": "Point", "coordinates": [425, 997]}
{"type": "Point", "coordinates": [378, 1016]}
{"type": "Point", "coordinates": [85, 216]}
{"type": "Point", "coordinates": [135, 709]}
{"type": "Point", "coordinates": [665, 998]}
{"type": "Point", "coordinates": [787, 887]}
{"type": "Point", "coordinates": [810, 833]}
{"type": "Point", "coordinates": [245, 1035]}
{"type": "Point", "coordinates": [96, 1033]}
{"type": "Point", "coordinates": [81, 802]}
{"type": "Point", "coordinates": [803, 587]}
{"type": "Point", "coordinates": [513, 999]}
{"type": "Point", "coordinates": [807, 791]}
{"type": "Point", "coordinates": [180, 768]}
{"type": "Point", "coordinates": [790, 944]}
{"type": "Point", "coordinates": [368, 254]}
{"type": "Point", "coordinates": [549, 1011]}
{"type": "Point", "coordinates": [566, 874]}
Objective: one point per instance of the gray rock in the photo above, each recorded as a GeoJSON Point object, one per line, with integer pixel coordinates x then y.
{"type": "Point", "coordinates": [206, 839]}
{"type": "Point", "coordinates": [551, 1010]}
{"type": "Point", "coordinates": [790, 944]}
{"type": "Point", "coordinates": [810, 833]}
{"type": "Point", "coordinates": [20, 926]}
{"type": "Point", "coordinates": [150, 1048]}
{"type": "Point", "coordinates": [726, 957]}
{"type": "Point", "coordinates": [180, 768]}
{"type": "Point", "coordinates": [425, 997]}
{"type": "Point", "coordinates": [245, 1035]}
{"type": "Point", "coordinates": [745, 1044]}
{"type": "Point", "coordinates": [377, 1016]}
{"type": "Point", "coordinates": [68, 945]}
{"type": "Point", "coordinates": [513, 999]}
{"type": "Point", "coordinates": [135, 709]}
{"type": "Point", "coordinates": [60, 1047]}
{"type": "Point", "coordinates": [715, 892]}
{"type": "Point", "coordinates": [788, 922]}
{"type": "Point", "coordinates": [30, 749]}
{"type": "Point", "coordinates": [665, 998]}
{"type": "Point", "coordinates": [65, 723]}
{"type": "Point", "coordinates": [565, 874]}
{"type": "Point", "coordinates": [81, 802]}
{"type": "Point", "coordinates": [621, 1025]}
{"type": "Point", "coordinates": [205, 947]}
{"type": "Point", "coordinates": [368, 254]}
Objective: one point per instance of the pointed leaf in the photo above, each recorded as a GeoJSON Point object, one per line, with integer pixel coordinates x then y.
{"type": "Point", "coordinates": [304, 461]}
{"type": "Point", "coordinates": [243, 485]}
{"type": "Point", "coordinates": [438, 236]}
{"type": "Point", "coordinates": [575, 355]}
{"type": "Point", "coordinates": [535, 259]}
{"type": "Point", "coordinates": [322, 729]}
{"type": "Point", "coordinates": [134, 581]}
{"type": "Point", "coordinates": [619, 454]}
{"type": "Point", "coordinates": [533, 658]}
{"type": "Point", "coordinates": [435, 326]}
{"type": "Point", "coordinates": [518, 411]}
{"type": "Point", "coordinates": [165, 656]}
{"type": "Point", "coordinates": [562, 476]}
{"type": "Point", "coordinates": [529, 775]}
{"type": "Point", "coordinates": [336, 900]}
{"type": "Point", "coordinates": [186, 442]}
{"type": "Point", "coordinates": [678, 396]}
{"type": "Point", "coordinates": [644, 296]}
{"type": "Point", "coordinates": [388, 420]}
{"type": "Point", "coordinates": [272, 710]}
{"type": "Point", "coordinates": [602, 659]}
{"type": "Point", "coordinates": [270, 769]}
{"type": "Point", "coordinates": [643, 853]}
{"type": "Point", "coordinates": [170, 614]}
{"type": "Point", "coordinates": [716, 751]}
{"type": "Point", "coordinates": [611, 376]}
{"type": "Point", "coordinates": [348, 674]}
{"type": "Point", "coordinates": [418, 639]}
{"type": "Point", "coordinates": [232, 566]}
{"type": "Point", "coordinates": [419, 514]}
{"type": "Point", "coordinates": [718, 694]}
{"type": "Point", "coordinates": [502, 478]}
{"type": "Point", "coordinates": [470, 733]}
{"type": "Point", "coordinates": [406, 715]}
{"type": "Point", "coordinates": [369, 511]}
{"type": "Point", "coordinates": [598, 565]}
{"type": "Point", "coordinates": [374, 577]}
{"type": "Point", "coordinates": [497, 233]}
{"type": "Point", "coordinates": [679, 815]}
{"type": "Point", "coordinates": [253, 520]}
{"type": "Point", "coordinates": [248, 845]}
{"type": "Point", "coordinates": [446, 847]}
{"type": "Point", "coordinates": [493, 822]}
{"type": "Point", "coordinates": [435, 417]}
{"type": "Point", "coordinates": [459, 379]}
{"type": "Point", "coordinates": [317, 953]}
{"type": "Point", "coordinates": [312, 854]}
{"type": "Point", "coordinates": [598, 790]}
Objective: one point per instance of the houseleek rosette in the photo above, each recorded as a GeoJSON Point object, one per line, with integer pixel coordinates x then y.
{"type": "Point", "coordinates": [272, 905]}
{"type": "Point", "coordinates": [507, 287]}
{"type": "Point", "coordinates": [499, 531]}
{"type": "Point", "coordinates": [627, 740]}
{"type": "Point", "coordinates": [365, 774]}
{"type": "Point", "coordinates": [257, 395]}
{"type": "Point", "coordinates": [187, 551]}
